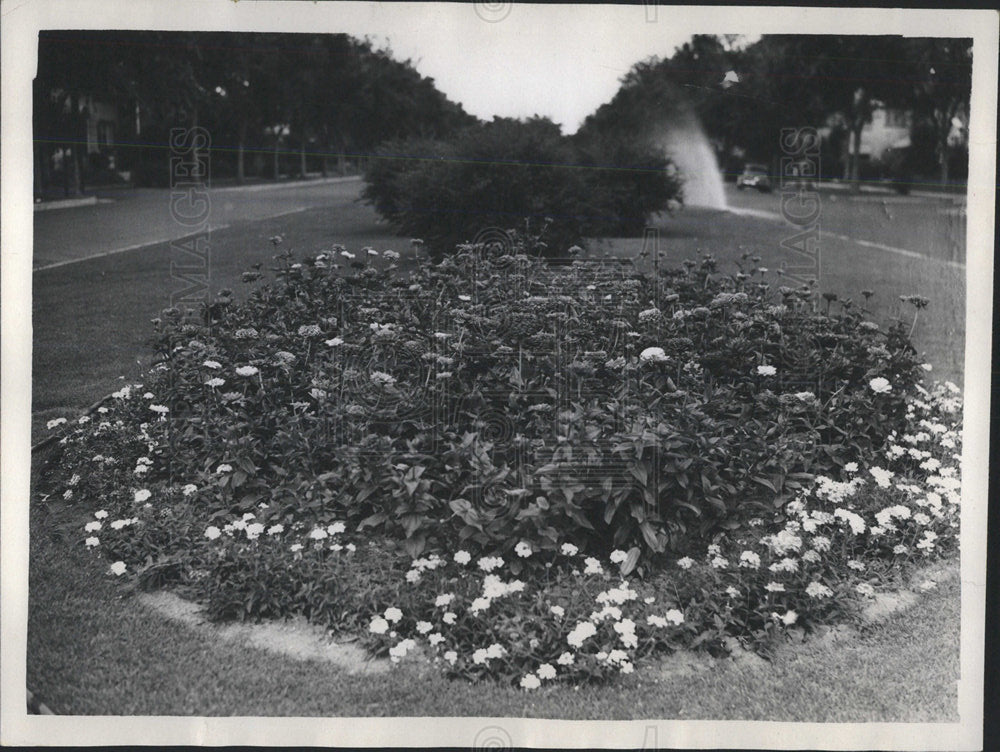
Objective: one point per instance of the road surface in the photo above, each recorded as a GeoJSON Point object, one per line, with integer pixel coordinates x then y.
{"type": "Point", "coordinates": [142, 217]}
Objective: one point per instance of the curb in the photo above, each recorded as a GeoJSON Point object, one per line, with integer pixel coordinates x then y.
{"type": "Point", "coordinates": [275, 186]}
{"type": "Point", "coordinates": [67, 203]}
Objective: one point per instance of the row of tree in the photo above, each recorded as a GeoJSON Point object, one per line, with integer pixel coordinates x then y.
{"type": "Point", "coordinates": [745, 94]}
{"type": "Point", "coordinates": [320, 95]}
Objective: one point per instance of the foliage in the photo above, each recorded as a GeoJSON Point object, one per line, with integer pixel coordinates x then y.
{"type": "Point", "coordinates": [523, 174]}
{"type": "Point", "coordinates": [583, 466]}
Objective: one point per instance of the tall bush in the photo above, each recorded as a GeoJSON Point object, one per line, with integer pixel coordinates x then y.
{"type": "Point", "coordinates": [517, 174]}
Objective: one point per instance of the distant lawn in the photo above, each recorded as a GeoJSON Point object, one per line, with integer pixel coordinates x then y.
{"type": "Point", "coordinates": [92, 649]}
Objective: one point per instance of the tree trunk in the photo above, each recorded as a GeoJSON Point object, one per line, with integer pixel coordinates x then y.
{"type": "Point", "coordinates": [240, 153]}
{"type": "Point", "coordinates": [855, 160]}
{"type": "Point", "coordinates": [945, 154]}
{"type": "Point", "coordinates": [277, 146]}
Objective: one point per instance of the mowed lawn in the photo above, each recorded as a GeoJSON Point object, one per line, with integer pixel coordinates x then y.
{"type": "Point", "coordinates": [93, 649]}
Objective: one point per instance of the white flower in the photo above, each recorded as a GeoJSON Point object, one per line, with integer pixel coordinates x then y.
{"type": "Point", "coordinates": [774, 587]}
{"type": "Point", "coordinates": [546, 671]}
{"type": "Point", "coordinates": [462, 557]}
{"type": "Point", "coordinates": [336, 528]}
{"type": "Point", "coordinates": [224, 468]}
{"type": "Point", "coordinates": [880, 385]}
{"type": "Point", "coordinates": [674, 616]}
{"type": "Point", "coordinates": [855, 521]}
{"type": "Point", "coordinates": [581, 632]}
{"type": "Point", "coordinates": [317, 533]}
{"type": "Point", "coordinates": [882, 477]}
{"type": "Point", "coordinates": [480, 604]}
{"type": "Point", "coordinates": [142, 495]}
{"type": "Point", "coordinates": [618, 556]}
{"type": "Point", "coordinates": [91, 542]}
{"type": "Point", "coordinates": [569, 549]}
{"type": "Point", "coordinates": [295, 547]}
{"type": "Point", "coordinates": [451, 656]}
{"type": "Point", "coordinates": [654, 354]}
{"type": "Point", "coordinates": [593, 566]}
{"type": "Point", "coordinates": [749, 560]}
{"type": "Point", "coordinates": [189, 489]}
{"type": "Point", "coordinates": [480, 656]}
{"type": "Point", "coordinates": [789, 618]}
{"type": "Point", "coordinates": [348, 254]}
{"type": "Point", "coordinates": [558, 610]}
{"type": "Point", "coordinates": [530, 681]}
{"type": "Point", "coordinates": [851, 467]}
{"type": "Point", "coordinates": [565, 659]}
{"type": "Point", "coordinates": [449, 618]}
{"type": "Point", "coordinates": [393, 614]}
{"type": "Point", "coordinates": [212, 364]}
{"type": "Point", "coordinates": [496, 650]}
{"type": "Point", "coordinates": [276, 529]}
{"type": "Point", "coordinates": [818, 590]}
{"type": "Point", "coordinates": [435, 639]}
{"type": "Point", "coordinates": [444, 599]}
{"type": "Point", "coordinates": [719, 562]}
{"type": "Point", "coordinates": [247, 371]}
{"type": "Point", "coordinates": [118, 568]}
{"type": "Point", "coordinates": [523, 549]}
{"type": "Point", "coordinates": [685, 563]}
{"type": "Point", "coordinates": [785, 565]}
{"type": "Point", "coordinates": [732, 592]}
{"type": "Point", "coordinates": [489, 563]}
{"type": "Point", "coordinates": [216, 382]}
{"type": "Point", "coordinates": [424, 627]}
{"type": "Point", "coordinates": [811, 556]}
{"type": "Point", "coordinates": [212, 532]}
{"type": "Point", "coordinates": [101, 514]}
{"type": "Point", "coordinates": [335, 342]}
{"type": "Point", "coordinates": [863, 588]}
{"type": "Point", "coordinates": [766, 370]}
{"type": "Point", "coordinates": [820, 543]}
{"type": "Point", "coordinates": [856, 565]}
{"type": "Point", "coordinates": [55, 422]}
{"type": "Point", "coordinates": [378, 626]}
{"type": "Point", "coordinates": [161, 409]}
{"type": "Point", "coordinates": [254, 531]}
{"type": "Point", "coordinates": [464, 298]}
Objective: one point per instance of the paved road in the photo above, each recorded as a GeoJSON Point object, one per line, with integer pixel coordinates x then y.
{"type": "Point", "coordinates": [142, 217]}
{"type": "Point", "coordinates": [923, 225]}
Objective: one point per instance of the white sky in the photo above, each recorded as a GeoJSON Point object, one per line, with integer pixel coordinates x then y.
{"type": "Point", "coordinates": [558, 62]}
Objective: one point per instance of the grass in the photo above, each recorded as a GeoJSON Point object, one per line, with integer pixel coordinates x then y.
{"type": "Point", "coordinates": [92, 649]}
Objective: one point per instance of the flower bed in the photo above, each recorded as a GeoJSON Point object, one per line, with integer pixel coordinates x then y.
{"type": "Point", "coordinates": [536, 473]}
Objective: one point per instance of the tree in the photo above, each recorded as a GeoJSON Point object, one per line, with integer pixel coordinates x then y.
{"type": "Point", "coordinates": [941, 87]}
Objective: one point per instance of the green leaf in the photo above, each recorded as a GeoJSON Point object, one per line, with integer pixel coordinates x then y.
{"type": "Point", "coordinates": [630, 561]}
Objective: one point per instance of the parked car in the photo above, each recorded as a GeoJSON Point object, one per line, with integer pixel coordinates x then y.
{"type": "Point", "coordinates": [754, 176]}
